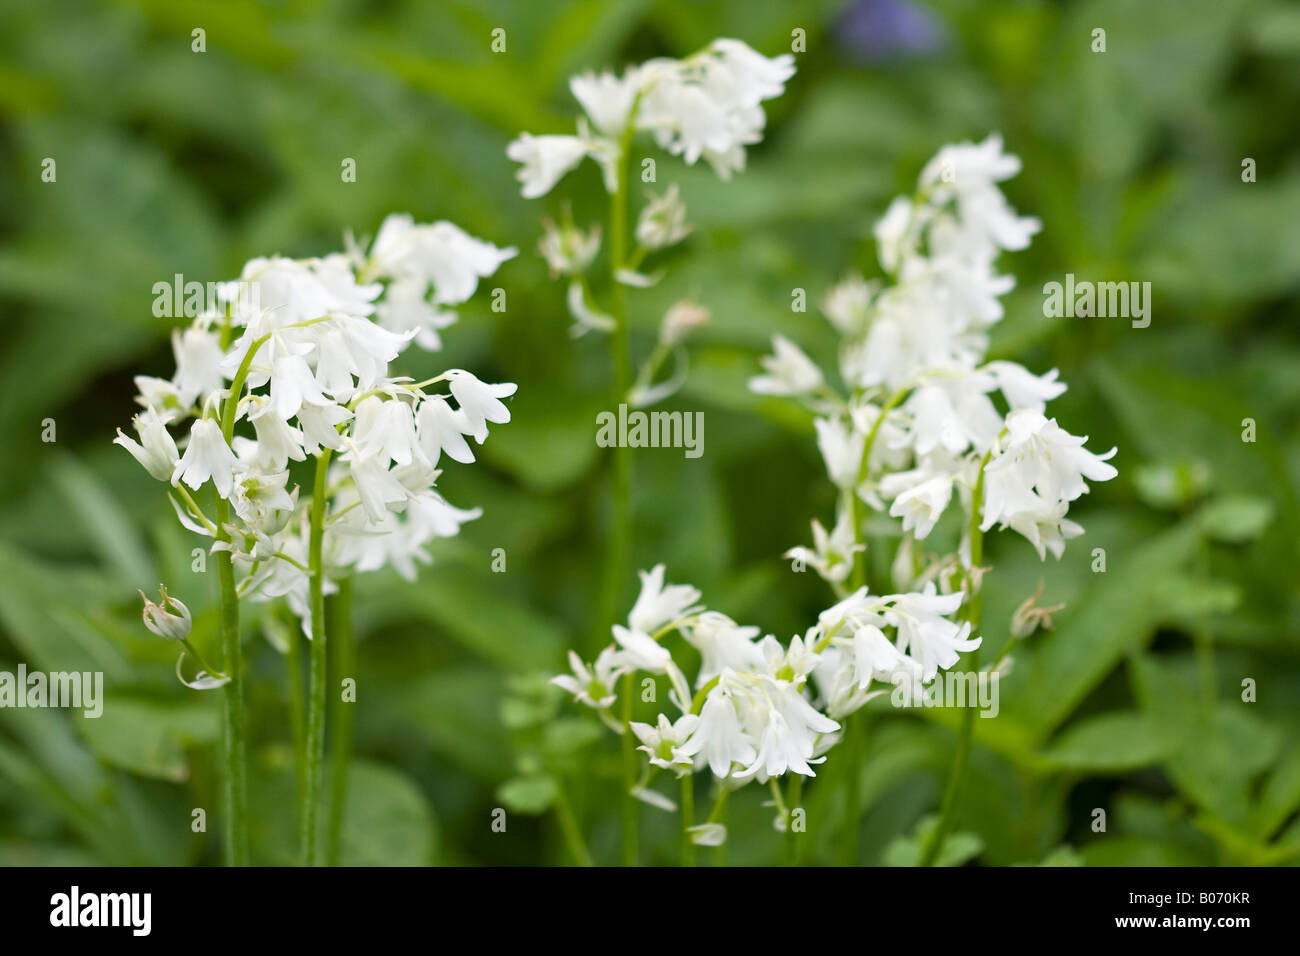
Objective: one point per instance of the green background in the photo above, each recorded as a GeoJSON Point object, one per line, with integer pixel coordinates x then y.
{"type": "Point", "coordinates": [170, 161]}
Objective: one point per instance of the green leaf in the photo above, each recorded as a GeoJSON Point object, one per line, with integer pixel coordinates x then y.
{"type": "Point", "coordinates": [958, 848]}
{"type": "Point", "coordinates": [1195, 413]}
{"type": "Point", "coordinates": [1275, 29]}
{"type": "Point", "coordinates": [530, 796]}
{"type": "Point", "coordinates": [1111, 742]}
{"type": "Point", "coordinates": [465, 605]}
{"type": "Point", "coordinates": [568, 734]}
{"type": "Point", "coordinates": [584, 35]}
{"type": "Point", "coordinates": [132, 828]}
{"type": "Point", "coordinates": [52, 633]}
{"type": "Point", "coordinates": [1220, 751]}
{"type": "Point", "coordinates": [1280, 795]}
{"type": "Point", "coordinates": [1228, 244]}
{"type": "Point", "coordinates": [1138, 851]}
{"type": "Point", "coordinates": [548, 446]}
{"type": "Point", "coordinates": [111, 533]}
{"type": "Point", "coordinates": [518, 713]}
{"type": "Point", "coordinates": [18, 853]}
{"type": "Point", "coordinates": [150, 738]}
{"type": "Point", "coordinates": [1192, 598]}
{"type": "Point", "coordinates": [1171, 485]}
{"type": "Point", "coordinates": [1063, 856]}
{"type": "Point", "coordinates": [1236, 519]}
{"type": "Point", "coordinates": [1111, 619]}
{"type": "Point", "coordinates": [454, 711]}
{"type": "Point", "coordinates": [386, 820]}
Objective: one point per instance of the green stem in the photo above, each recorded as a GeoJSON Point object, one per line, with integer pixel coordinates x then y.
{"type": "Point", "coordinates": [308, 835]}
{"type": "Point", "coordinates": [342, 647]}
{"type": "Point", "coordinates": [630, 809]}
{"type": "Point", "coordinates": [1002, 654]}
{"type": "Point", "coordinates": [297, 710]}
{"type": "Point", "coordinates": [569, 827]}
{"type": "Point", "coordinates": [718, 815]}
{"type": "Point", "coordinates": [959, 761]}
{"type": "Point", "coordinates": [775, 787]}
{"type": "Point", "coordinates": [195, 510]}
{"type": "Point", "coordinates": [231, 409]}
{"type": "Point", "coordinates": [855, 734]}
{"type": "Point", "coordinates": [971, 613]}
{"type": "Point", "coordinates": [697, 703]}
{"type": "Point", "coordinates": [719, 804]}
{"type": "Point", "coordinates": [621, 482]}
{"type": "Point", "coordinates": [859, 577]}
{"type": "Point", "coordinates": [194, 652]}
{"type": "Point", "coordinates": [233, 704]}
{"type": "Point", "coordinates": [646, 376]}
{"type": "Point", "coordinates": [620, 485]}
{"type": "Point", "coordinates": [621, 477]}
{"type": "Point", "coordinates": [688, 819]}
{"type": "Point", "coordinates": [791, 838]}
{"type": "Point", "coordinates": [233, 717]}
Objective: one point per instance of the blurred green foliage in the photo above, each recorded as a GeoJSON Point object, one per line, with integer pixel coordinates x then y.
{"type": "Point", "coordinates": [170, 161]}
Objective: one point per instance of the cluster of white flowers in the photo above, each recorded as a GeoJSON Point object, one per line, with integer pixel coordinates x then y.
{"type": "Point", "coordinates": [293, 364]}
{"type": "Point", "coordinates": [747, 716]}
{"type": "Point", "coordinates": [706, 105]}
{"type": "Point", "coordinates": [751, 713]}
{"type": "Point", "coordinates": [920, 423]}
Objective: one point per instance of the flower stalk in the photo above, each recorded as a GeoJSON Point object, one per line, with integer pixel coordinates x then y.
{"type": "Point", "coordinates": [631, 812]}
{"type": "Point", "coordinates": [233, 719]}
{"type": "Point", "coordinates": [317, 689]}
{"type": "Point", "coordinates": [688, 819]}
{"type": "Point", "coordinates": [621, 466]}
{"type": "Point", "coordinates": [966, 731]}
{"type": "Point", "coordinates": [571, 831]}
{"type": "Point", "coordinates": [297, 709]}
{"type": "Point", "coordinates": [233, 712]}
{"type": "Point", "coordinates": [342, 648]}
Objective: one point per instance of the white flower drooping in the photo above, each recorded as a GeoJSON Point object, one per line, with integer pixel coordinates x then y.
{"type": "Point", "coordinates": [928, 419]}
{"type": "Point", "coordinates": [705, 105]}
{"type": "Point", "coordinates": [305, 347]}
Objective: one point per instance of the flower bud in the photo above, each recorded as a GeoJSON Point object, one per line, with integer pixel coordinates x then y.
{"type": "Point", "coordinates": [169, 619]}
{"type": "Point", "coordinates": [156, 450]}
{"type": "Point", "coordinates": [680, 320]}
{"type": "Point", "coordinates": [662, 222]}
{"type": "Point", "coordinates": [1029, 617]}
{"type": "Point", "coordinates": [568, 250]}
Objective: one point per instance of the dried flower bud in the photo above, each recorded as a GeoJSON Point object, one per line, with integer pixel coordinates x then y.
{"type": "Point", "coordinates": [1029, 617]}
{"type": "Point", "coordinates": [169, 619]}
{"type": "Point", "coordinates": [680, 320]}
